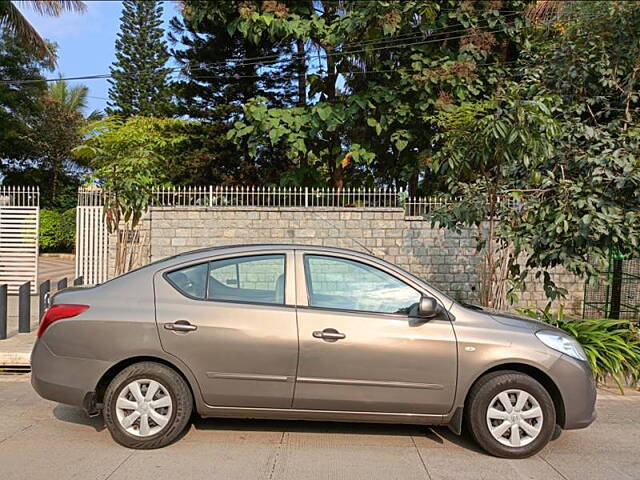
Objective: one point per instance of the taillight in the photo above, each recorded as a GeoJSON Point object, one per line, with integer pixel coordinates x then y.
{"type": "Point", "coordinates": [58, 312]}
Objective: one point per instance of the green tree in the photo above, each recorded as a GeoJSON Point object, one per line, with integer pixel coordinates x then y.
{"type": "Point", "coordinates": [18, 106]}
{"type": "Point", "coordinates": [590, 203]}
{"type": "Point", "coordinates": [384, 67]}
{"type": "Point", "coordinates": [571, 197]}
{"type": "Point", "coordinates": [54, 133]}
{"type": "Point", "coordinates": [13, 22]}
{"type": "Point", "coordinates": [130, 158]}
{"type": "Point", "coordinates": [487, 153]}
{"type": "Point", "coordinates": [72, 98]}
{"type": "Point", "coordinates": [139, 83]}
{"type": "Point", "coordinates": [218, 78]}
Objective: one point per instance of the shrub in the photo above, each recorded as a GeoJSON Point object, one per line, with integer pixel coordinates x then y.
{"type": "Point", "coordinates": [57, 230]}
{"type": "Point", "coordinates": [611, 345]}
{"type": "Point", "coordinates": [49, 228]}
{"type": "Point", "coordinates": [67, 237]}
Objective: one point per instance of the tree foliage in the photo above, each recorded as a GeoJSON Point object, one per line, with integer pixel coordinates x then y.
{"type": "Point", "coordinates": [139, 83]}
{"type": "Point", "coordinates": [382, 67]}
{"type": "Point", "coordinates": [129, 159]}
{"type": "Point", "coordinates": [576, 193]}
{"type": "Point", "coordinates": [219, 78]}
{"type": "Point", "coordinates": [18, 106]}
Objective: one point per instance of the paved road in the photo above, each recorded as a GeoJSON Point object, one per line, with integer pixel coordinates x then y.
{"type": "Point", "coordinates": [44, 440]}
{"type": "Point", "coordinates": [49, 268]}
{"type": "Point", "coordinates": [55, 268]}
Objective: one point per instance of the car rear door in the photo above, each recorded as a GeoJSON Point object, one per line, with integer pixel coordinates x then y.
{"type": "Point", "coordinates": [360, 350]}
{"type": "Point", "coordinates": [232, 320]}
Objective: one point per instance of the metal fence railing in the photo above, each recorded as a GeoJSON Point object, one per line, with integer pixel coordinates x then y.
{"type": "Point", "coordinates": [223, 196]}
{"type": "Point", "coordinates": [18, 196]}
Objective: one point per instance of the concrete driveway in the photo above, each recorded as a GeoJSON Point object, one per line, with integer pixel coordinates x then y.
{"type": "Point", "coordinates": [44, 440]}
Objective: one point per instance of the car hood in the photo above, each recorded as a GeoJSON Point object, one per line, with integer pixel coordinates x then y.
{"type": "Point", "coordinates": [512, 319]}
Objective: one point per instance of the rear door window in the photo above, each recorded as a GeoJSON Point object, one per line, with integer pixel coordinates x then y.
{"type": "Point", "coordinates": [190, 281]}
{"type": "Point", "coordinates": [254, 279]}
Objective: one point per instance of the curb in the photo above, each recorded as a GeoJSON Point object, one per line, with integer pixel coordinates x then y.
{"type": "Point", "coordinates": [62, 256]}
{"type": "Point", "coordinates": [15, 359]}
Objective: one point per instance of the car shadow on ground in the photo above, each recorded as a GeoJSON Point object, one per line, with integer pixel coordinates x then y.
{"type": "Point", "coordinates": [78, 416]}
{"type": "Point", "coordinates": [437, 435]}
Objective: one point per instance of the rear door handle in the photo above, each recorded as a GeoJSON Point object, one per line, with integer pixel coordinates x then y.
{"type": "Point", "coordinates": [180, 326]}
{"type": "Point", "coordinates": [329, 334]}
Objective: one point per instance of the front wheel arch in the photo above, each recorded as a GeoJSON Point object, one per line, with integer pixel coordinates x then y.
{"type": "Point", "coordinates": [538, 375]}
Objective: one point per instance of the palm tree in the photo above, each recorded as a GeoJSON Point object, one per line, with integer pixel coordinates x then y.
{"type": "Point", "coordinates": [72, 98]}
{"type": "Point", "coordinates": [13, 22]}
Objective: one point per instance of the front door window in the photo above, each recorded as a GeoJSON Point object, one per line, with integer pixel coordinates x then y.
{"type": "Point", "coordinates": [341, 284]}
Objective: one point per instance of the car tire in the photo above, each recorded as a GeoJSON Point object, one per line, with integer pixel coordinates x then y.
{"type": "Point", "coordinates": [510, 414]}
{"type": "Point", "coordinates": [147, 405]}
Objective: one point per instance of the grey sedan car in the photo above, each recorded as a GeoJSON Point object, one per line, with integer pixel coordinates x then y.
{"type": "Point", "coordinates": [301, 332]}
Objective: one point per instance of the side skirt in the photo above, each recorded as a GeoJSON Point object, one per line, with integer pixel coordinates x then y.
{"type": "Point", "coordinates": [322, 415]}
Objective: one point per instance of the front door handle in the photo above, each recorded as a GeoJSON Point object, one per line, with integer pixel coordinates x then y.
{"type": "Point", "coordinates": [180, 326]}
{"type": "Point", "coordinates": [329, 334]}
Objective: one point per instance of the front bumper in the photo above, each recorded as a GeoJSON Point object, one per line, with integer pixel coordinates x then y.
{"type": "Point", "coordinates": [578, 390]}
{"type": "Point", "coordinates": [64, 379]}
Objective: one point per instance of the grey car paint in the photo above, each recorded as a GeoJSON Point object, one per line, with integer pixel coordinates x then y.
{"type": "Point", "coordinates": [263, 362]}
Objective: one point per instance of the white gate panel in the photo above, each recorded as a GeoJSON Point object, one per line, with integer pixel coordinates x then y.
{"type": "Point", "coordinates": [91, 244]}
{"type": "Point", "coordinates": [19, 225]}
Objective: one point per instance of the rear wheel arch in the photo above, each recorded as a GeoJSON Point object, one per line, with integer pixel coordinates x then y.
{"type": "Point", "coordinates": [540, 376]}
{"type": "Point", "coordinates": [111, 373]}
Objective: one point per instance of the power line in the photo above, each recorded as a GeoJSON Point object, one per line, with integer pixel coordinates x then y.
{"type": "Point", "coordinates": [273, 63]}
{"type": "Point", "coordinates": [411, 36]}
{"type": "Point", "coordinates": [275, 59]}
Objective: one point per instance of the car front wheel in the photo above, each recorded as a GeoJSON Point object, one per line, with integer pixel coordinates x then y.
{"type": "Point", "coordinates": [510, 414]}
{"type": "Point", "coordinates": [147, 405]}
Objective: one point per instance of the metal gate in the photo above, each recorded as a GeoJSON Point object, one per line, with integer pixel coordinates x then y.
{"type": "Point", "coordinates": [92, 239]}
{"type": "Point", "coordinates": [19, 222]}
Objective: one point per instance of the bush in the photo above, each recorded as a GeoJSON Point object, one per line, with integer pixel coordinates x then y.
{"type": "Point", "coordinates": [57, 230]}
{"type": "Point", "coordinates": [68, 230]}
{"type": "Point", "coordinates": [49, 227]}
{"type": "Point", "coordinates": [612, 346]}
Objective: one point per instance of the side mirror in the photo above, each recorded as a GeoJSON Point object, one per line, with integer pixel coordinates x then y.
{"type": "Point", "coordinates": [428, 307]}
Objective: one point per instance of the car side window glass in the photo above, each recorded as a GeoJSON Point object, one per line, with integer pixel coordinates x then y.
{"type": "Point", "coordinates": [255, 279]}
{"type": "Point", "coordinates": [191, 281]}
{"type": "Point", "coordinates": [342, 284]}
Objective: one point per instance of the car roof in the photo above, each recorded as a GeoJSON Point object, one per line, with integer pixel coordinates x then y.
{"type": "Point", "coordinates": [265, 246]}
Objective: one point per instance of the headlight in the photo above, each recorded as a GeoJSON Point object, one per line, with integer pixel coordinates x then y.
{"type": "Point", "coordinates": [562, 343]}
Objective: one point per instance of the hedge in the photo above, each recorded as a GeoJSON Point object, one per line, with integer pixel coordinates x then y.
{"type": "Point", "coordinates": [57, 230]}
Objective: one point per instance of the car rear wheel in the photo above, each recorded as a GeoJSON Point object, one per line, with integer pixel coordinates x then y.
{"type": "Point", "coordinates": [147, 405]}
{"type": "Point", "coordinates": [510, 414]}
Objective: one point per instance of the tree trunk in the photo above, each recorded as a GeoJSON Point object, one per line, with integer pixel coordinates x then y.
{"type": "Point", "coordinates": [336, 170]}
{"type": "Point", "coordinates": [54, 182]}
{"type": "Point", "coordinates": [337, 177]}
{"type": "Point", "coordinates": [413, 184]}
{"type": "Point", "coordinates": [302, 73]}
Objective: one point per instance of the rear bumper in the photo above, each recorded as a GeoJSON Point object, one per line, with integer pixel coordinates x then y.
{"type": "Point", "coordinates": [64, 379]}
{"type": "Point", "coordinates": [578, 390]}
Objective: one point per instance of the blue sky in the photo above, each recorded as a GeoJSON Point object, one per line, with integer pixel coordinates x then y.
{"type": "Point", "coordinates": [86, 43]}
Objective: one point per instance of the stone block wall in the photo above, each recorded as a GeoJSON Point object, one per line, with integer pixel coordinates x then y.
{"type": "Point", "coordinates": [442, 257]}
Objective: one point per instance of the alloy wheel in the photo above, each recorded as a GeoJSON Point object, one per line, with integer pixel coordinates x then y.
{"type": "Point", "coordinates": [514, 418]}
{"type": "Point", "coordinates": [144, 407]}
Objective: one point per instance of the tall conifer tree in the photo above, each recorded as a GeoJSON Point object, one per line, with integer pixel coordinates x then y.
{"type": "Point", "coordinates": [139, 84]}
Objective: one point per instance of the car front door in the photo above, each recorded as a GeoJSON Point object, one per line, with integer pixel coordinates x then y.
{"type": "Point", "coordinates": [360, 349]}
{"type": "Point", "coordinates": [232, 320]}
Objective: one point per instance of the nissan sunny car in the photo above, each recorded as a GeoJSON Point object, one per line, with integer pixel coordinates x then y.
{"type": "Point", "coordinates": [301, 332]}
